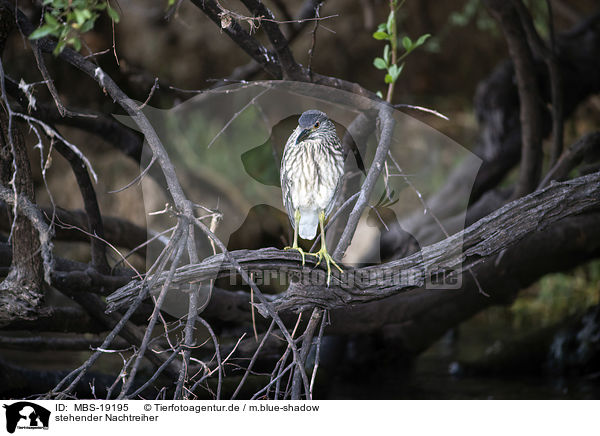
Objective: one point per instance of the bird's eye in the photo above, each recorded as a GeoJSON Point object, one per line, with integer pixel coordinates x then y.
{"type": "Point", "coordinates": [317, 124]}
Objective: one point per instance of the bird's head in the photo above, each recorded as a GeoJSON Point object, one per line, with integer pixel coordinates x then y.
{"type": "Point", "coordinates": [312, 124]}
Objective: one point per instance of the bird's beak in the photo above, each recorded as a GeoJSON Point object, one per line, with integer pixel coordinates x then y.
{"type": "Point", "coordinates": [303, 135]}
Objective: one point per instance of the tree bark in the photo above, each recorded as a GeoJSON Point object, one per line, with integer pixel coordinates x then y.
{"type": "Point", "coordinates": [21, 292]}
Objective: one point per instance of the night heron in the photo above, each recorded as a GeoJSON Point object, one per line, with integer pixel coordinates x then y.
{"type": "Point", "coordinates": [311, 173]}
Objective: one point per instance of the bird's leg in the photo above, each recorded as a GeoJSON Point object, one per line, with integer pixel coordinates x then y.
{"type": "Point", "coordinates": [323, 253]}
{"type": "Point", "coordinates": [295, 246]}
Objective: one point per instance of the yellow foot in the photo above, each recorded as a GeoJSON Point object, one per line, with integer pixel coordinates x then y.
{"type": "Point", "coordinates": [323, 254]}
{"type": "Point", "coordinates": [301, 251]}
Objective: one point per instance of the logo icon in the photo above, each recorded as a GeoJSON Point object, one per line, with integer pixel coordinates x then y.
{"type": "Point", "coordinates": [26, 415]}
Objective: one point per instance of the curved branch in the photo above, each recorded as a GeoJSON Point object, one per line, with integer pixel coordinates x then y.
{"type": "Point", "coordinates": [387, 129]}
{"type": "Point", "coordinates": [90, 203]}
{"type": "Point", "coordinates": [529, 95]}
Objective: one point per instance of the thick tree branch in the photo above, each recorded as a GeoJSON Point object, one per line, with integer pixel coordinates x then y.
{"type": "Point", "coordinates": [22, 291]}
{"type": "Point", "coordinates": [529, 95]}
{"type": "Point", "coordinates": [422, 316]}
{"type": "Point", "coordinates": [548, 53]}
{"type": "Point", "coordinates": [44, 233]}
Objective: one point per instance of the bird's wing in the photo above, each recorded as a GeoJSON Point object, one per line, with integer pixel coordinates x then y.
{"type": "Point", "coordinates": [336, 194]}
{"type": "Point", "coordinates": [286, 185]}
{"type": "Point", "coordinates": [338, 186]}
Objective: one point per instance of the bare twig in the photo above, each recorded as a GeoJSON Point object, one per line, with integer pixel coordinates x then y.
{"type": "Point", "coordinates": [313, 376]}
{"type": "Point", "coordinates": [253, 360]}
{"type": "Point", "coordinates": [150, 94]}
{"type": "Point", "coordinates": [387, 128]}
{"type": "Point", "coordinates": [190, 325]}
{"type": "Point", "coordinates": [219, 361]}
{"type": "Point", "coordinates": [156, 374]}
{"type": "Point", "coordinates": [311, 50]}
{"type": "Point", "coordinates": [267, 305]}
{"type": "Point", "coordinates": [422, 109]}
{"type": "Point", "coordinates": [307, 342]}
{"type": "Point", "coordinates": [163, 293]}
{"type": "Point", "coordinates": [237, 114]}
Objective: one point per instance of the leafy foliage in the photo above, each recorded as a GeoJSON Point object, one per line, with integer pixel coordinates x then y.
{"type": "Point", "coordinates": [67, 20]}
{"type": "Point", "coordinates": [558, 295]}
{"type": "Point", "coordinates": [390, 62]}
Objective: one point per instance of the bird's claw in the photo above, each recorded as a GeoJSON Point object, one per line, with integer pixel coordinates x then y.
{"type": "Point", "coordinates": [323, 254]}
{"type": "Point", "coordinates": [301, 251]}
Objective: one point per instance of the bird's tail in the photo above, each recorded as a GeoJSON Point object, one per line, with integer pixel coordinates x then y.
{"type": "Point", "coordinates": [309, 222]}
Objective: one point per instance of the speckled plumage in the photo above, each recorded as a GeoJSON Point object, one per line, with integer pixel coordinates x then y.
{"type": "Point", "coordinates": [311, 171]}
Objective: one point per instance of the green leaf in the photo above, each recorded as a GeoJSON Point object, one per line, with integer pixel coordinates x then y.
{"type": "Point", "coordinates": [87, 26]}
{"type": "Point", "coordinates": [380, 64]}
{"type": "Point", "coordinates": [407, 43]}
{"type": "Point", "coordinates": [422, 39]}
{"type": "Point", "coordinates": [41, 32]}
{"type": "Point", "coordinates": [388, 79]}
{"type": "Point", "coordinates": [381, 27]}
{"type": "Point", "coordinates": [113, 14]}
{"type": "Point", "coordinates": [76, 43]}
{"type": "Point", "coordinates": [390, 23]}
{"type": "Point", "coordinates": [51, 21]}
{"type": "Point", "coordinates": [59, 48]}
{"type": "Point", "coordinates": [64, 31]}
{"type": "Point", "coordinates": [379, 94]}
{"type": "Point", "coordinates": [386, 54]}
{"type": "Point", "coordinates": [79, 16]}
{"type": "Point", "coordinates": [395, 71]}
{"type": "Point", "coordinates": [381, 35]}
